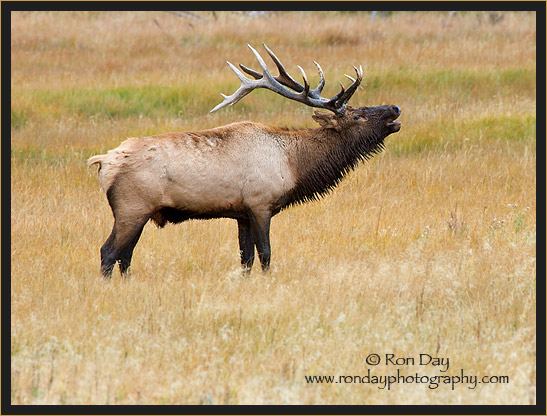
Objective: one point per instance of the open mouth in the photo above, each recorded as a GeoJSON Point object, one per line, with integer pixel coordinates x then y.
{"type": "Point", "coordinates": [393, 125]}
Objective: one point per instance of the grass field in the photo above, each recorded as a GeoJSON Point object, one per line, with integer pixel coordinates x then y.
{"type": "Point", "coordinates": [428, 248]}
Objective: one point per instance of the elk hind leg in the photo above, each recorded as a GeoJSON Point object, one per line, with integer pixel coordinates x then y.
{"type": "Point", "coordinates": [120, 244]}
{"type": "Point", "coordinates": [108, 255]}
{"type": "Point", "coordinates": [124, 258]}
{"type": "Point", "coordinates": [246, 245]}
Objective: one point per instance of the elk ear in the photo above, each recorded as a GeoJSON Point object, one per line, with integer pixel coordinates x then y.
{"type": "Point", "coordinates": [326, 120]}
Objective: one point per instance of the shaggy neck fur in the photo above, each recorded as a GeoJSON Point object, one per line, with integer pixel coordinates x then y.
{"type": "Point", "coordinates": [324, 157]}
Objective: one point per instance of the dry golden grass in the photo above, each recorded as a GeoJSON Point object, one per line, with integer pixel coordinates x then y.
{"type": "Point", "coordinates": [427, 248]}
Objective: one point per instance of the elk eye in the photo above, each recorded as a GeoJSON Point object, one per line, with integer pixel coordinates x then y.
{"type": "Point", "coordinates": [357, 117]}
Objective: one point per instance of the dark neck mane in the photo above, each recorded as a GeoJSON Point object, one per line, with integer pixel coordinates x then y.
{"type": "Point", "coordinates": [324, 160]}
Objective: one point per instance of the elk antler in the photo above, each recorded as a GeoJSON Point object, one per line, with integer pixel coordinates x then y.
{"type": "Point", "coordinates": [284, 85]}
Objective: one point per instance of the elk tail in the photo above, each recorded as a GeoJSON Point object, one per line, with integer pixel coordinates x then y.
{"type": "Point", "coordinates": [95, 159]}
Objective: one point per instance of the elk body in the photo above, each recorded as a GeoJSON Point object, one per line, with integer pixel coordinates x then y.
{"type": "Point", "coordinates": [246, 171]}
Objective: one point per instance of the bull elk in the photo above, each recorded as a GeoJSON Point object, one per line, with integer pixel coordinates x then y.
{"type": "Point", "coordinates": [246, 171]}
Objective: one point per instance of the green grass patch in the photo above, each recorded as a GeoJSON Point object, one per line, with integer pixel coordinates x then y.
{"type": "Point", "coordinates": [190, 100]}
{"type": "Point", "coordinates": [453, 134]}
{"type": "Point", "coordinates": [458, 85]}
{"type": "Point", "coordinates": [18, 119]}
{"type": "Point", "coordinates": [122, 102]}
{"type": "Point", "coordinates": [32, 156]}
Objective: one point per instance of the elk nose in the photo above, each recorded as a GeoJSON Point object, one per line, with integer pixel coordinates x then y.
{"type": "Point", "coordinates": [396, 109]}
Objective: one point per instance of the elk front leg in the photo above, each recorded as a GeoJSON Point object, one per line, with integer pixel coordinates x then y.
{"type": "Point", "coordinates": [260, 227]}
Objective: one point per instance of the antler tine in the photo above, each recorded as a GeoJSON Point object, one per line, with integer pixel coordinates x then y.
{"type": "Point", "coordinates": [241, 92]}
{"type": "Point", "coordinates": [261, 62]}
{"type": "Point", "coordinates": [319, 88]}
{"type": "Point", "coordinates": [237, 72]}
{"type": "Point", "coordinates": [283, 77]}
{"type": "Point", "coordinates": [352, 79]}
{"type": "Point", "coordinates": [344, 98]}
{"type": "Point", "coordinates": [337, 96]}
{"type": "Point", "coordinates": [253, 73]}
{"type": "Point", "coordinates": [306, 90]}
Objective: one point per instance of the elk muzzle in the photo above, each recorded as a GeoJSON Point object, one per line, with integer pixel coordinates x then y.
{"type": "Point", "coordinates": [393, 113]}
